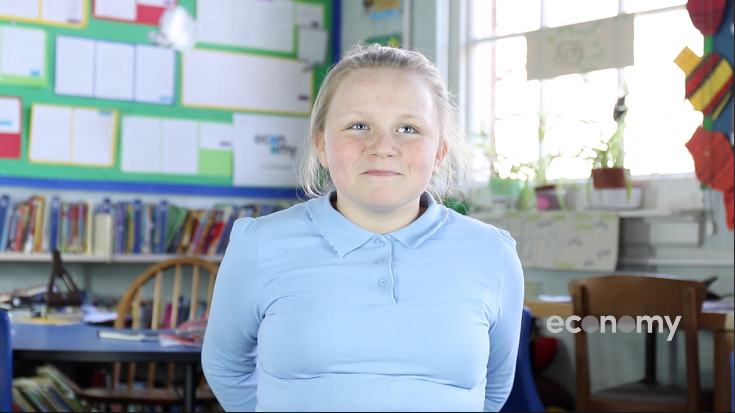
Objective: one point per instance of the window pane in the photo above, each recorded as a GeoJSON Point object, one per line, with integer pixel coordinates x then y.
{"type": "Point", "coordinates": [482, 18]}
{"type": "Point", "coordinates": [516, 138]}
{"type": "Point", "coordinates": [659, 120]}
{"type": "Point", "coordinates": [511, 58]}
{"type": "Point", "coordinates": [481, 89]}
{"type": "Point", "coordinates": [517, 16]}
{"type": "Point", "coordinates": [636, 6]}
{"type": "Point", "coordinates": [565, 12]}
{"type": "Point", "coordinates": [513, 97]}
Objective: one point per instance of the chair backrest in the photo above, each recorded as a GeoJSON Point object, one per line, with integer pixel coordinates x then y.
{"type": "Point", "coordinates": [524, 396]}
{"type": "Point", "coordinates": [634, 296]}
{"type": "Point", "coordinates": [155, 300]}
{"type": "Point", "coordinates": [6, 364]}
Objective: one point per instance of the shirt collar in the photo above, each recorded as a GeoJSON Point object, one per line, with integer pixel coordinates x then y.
{"type": "Point", "coordinates": [345, 236]}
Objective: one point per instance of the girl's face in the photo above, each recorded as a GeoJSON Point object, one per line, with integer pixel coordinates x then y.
{"type": "Point", "coordinates": [381, 140]}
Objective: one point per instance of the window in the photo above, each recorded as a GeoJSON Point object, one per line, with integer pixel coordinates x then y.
{"type": "Point", "coordinates": [504, 108]}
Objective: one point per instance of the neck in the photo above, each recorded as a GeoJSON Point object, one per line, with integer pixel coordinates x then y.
{"type": "Point", "coordinates": [381, 222]}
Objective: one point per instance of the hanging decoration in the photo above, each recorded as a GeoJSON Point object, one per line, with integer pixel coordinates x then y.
{"type": "Point", "coordinates": [707, 14]}
{"type": "Point", "coordinates": [708, 82]}
{"type": "Point", "coordinates": [714, 163]}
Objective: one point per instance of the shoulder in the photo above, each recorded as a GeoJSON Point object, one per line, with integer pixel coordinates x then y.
{"type": "Point", "coordinates": [280, 224]}
{"type": "Point", "coordinates": [466, 226]}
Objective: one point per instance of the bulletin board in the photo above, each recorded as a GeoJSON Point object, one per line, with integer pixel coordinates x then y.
{"type": "Point", "coordinates": [23, 171]}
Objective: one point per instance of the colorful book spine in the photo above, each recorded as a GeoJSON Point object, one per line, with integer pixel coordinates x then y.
{"type": "Point", "coordinates": [54, 223]}
{"type": "Point", "coordinates": [137, 226]}
{"type": "Point", "coordinates": [120, 227]}
{"type": "Point", "coordinates": [162, 227]}
{"type": "Point", "coordinates": [4, 206]}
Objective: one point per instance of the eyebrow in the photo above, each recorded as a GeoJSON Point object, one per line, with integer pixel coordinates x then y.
{"type": "Point", "coordinates": [404, 116]}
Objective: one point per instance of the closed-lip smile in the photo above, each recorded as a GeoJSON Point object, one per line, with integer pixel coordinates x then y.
{"type": "Point", "coordinates": [379, 172]}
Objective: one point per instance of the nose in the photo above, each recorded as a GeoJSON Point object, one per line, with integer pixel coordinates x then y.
{"type": "Point", "coordinates": [382, 144]}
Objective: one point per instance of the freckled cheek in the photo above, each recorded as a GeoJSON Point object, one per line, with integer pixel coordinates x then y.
{"type": "Point", "coordinates": [344, 154]}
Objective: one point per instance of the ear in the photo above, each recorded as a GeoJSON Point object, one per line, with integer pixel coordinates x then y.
{"type": "Point", "coordinates": [321, 150]}
{"type": "Point", "coordinates": [441, 153]}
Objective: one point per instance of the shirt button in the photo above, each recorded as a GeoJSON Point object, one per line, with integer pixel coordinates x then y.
{"type": "Point", "coordinates": [379, 261]}
{"type": "Point", "coordinates": [379, 242]}
{"type": "Point", "coordinates": [383, 283]}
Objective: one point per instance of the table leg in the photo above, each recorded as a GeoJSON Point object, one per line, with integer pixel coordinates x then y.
{"type": "Point", "coordinates": [650, 357]}
{"type": "Point", "coordinates": [723, 378]}
{"type": "Point", "coordinates": [189, 389]}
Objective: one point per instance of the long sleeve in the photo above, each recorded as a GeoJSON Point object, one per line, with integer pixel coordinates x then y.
{"type": "Point", "coordinates": [505, 334]}
{"type": "Point", "coordinates": [229, 353]}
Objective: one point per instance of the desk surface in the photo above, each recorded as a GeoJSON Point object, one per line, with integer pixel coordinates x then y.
{"type": "Point", "coordinates": [79, 342]}
{"type": "Point", "coordinates": [710, 320]}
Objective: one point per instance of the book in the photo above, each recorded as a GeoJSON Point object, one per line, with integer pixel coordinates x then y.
{"type": "Point", "coordinates": [20, 401]}
{"type": "Point", "coordinates": [120, 227]}
{"type": "Point", "coordinates": [54, 222]}
{"type": "Point", "coordinates": [32, 392]}
{"type": "Point", "coordinates": [128, 335]}
{"type": "Point", "coordinates": [5, 221]}
{"type": "Point", "coordinates": [161, 228]}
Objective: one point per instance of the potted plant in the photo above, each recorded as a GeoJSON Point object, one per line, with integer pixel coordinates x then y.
{"type": "Point", "coordinates": [607, 163]}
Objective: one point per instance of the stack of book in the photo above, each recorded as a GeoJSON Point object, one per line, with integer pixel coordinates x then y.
{"type": "Point", "coordinates": [48, 391]}
{"type": "Point", "coordinates": [168, 229]}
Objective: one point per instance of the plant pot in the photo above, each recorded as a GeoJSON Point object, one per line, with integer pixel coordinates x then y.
{"type": "Point", "coordinates": [609, 178]}
{"type": "Point", "coordinates": [547, 197]}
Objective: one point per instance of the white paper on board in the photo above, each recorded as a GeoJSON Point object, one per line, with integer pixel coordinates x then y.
{"type": "Point", "coordinates": [179, 147]}
{"type": "Point", "coordinates": [213, 21]}
{"type": "Point", "coordinates": [27, 9]}
{"type": "Point", "coordinates": [215, 135]}
{"type": "Point", "coordinates": [267, 150]}
{"type": "Point", "coordinates": [141, 144]}
{"type": "Point", "coordinates": [155, 74]}
{"type": "Point", "coordinates": [266, 25]}
{"type": "Point", "coordinates": [23, 52]}
{"type": "Point", "coordinates": [74, 66]}
{"type": "Point", "coordinates": [309, 15]}
{"type": "Point", "coordinates": [116, 9]}
{"type": "Point", "coordinates": [312, 45]}
{"type": "Point", "coordinates": [157, 3]}
{"type": "Point", "coordinates": [93, 137]}
{"type": "Point", "coordinates": [10, 115]}
{"type": "Point", "coordinates": [242, 81]}
{"type": "Point", "coordinates": [63, 11]}
{"type": "Point", "coordinates": [50, 137]}
{"type": "Point", "coordinates": [113, 75]}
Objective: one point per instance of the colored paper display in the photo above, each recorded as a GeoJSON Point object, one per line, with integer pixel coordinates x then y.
{"type": "Point", "coordinates": [133, 11]}
{"type": "Point", "coordinates": [57, 12]}
{"type": "Point", "coordinates": [11, 115]}
{"type": "Point", "coordinates": [253, 24]}
{"type": "Point", "coordinates": [72, 135]}
{"type": "Point", "coordinates": [23, 56]}
{"type": "Point", "coordinates": [115, 70]}
{"type": "Point", "coordinates": [176, 147]}
{"type": "Point", "coordinates": [239, 81]}
{"type": "Point", "coordinates": [267, 150]}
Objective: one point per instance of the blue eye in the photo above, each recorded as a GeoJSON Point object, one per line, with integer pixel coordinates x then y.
{"type": "Point", "coordinates": [359, 126]}
{"type": "Point", "coordinates": [407, 129]}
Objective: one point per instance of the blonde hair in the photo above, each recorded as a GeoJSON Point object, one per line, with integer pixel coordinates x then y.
{"type": "Point", "coordinates": [315, 179]}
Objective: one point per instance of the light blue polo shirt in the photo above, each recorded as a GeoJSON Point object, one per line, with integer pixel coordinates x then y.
{"type": "Point", "coordinates": [312, 312]}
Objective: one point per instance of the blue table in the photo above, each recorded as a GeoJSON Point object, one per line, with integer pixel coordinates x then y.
{"type": "Point", "coordinates": [80, 343]}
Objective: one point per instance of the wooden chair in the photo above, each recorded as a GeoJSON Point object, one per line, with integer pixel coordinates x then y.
{"type": "Point", "coordinates": [157, 276]}
{"type": "Point", "coordinates": [640, 295]}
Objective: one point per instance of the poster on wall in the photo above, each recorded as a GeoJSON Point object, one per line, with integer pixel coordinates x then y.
{"type": "Point", "coordinates": [580, 48]}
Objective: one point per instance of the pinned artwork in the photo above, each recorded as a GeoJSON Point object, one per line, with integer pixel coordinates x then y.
{"type": "Point", "coordinates": [706, 14]}
{"type": "Point", "coordinates": [708, 81]}
{"type": "Point", "coordinates": [714, 162]}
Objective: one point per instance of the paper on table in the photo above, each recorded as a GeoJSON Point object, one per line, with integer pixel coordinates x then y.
{"type": "Point", "coordinates": [141, 144]}
{"type": "Point", "coordinates": [116, 9]}
{"type": "Point", "coordinates": [179, 147]}
{"type": "Point", "coordinates": [267, 149]}
{"type": "Point", "coordinates": [215, 79]}
{"type": "Point", "coordinates": [555, 298]}
{"type": "Point", "coordinates": [27, 9]}
{"type": "Point", "coordinates": [128, 335]}
{"type": "Point", "coordinates": [312, 45]}
{"type": "Point", "coordinates": [23, 52]}
{"type": "Point", "coordinates": [50, 137]}
{"type": "Point", "coordinates": [310, 15]}
{"type": "Point", "coordinates": [9, 115]}
{"type": "Point", "coordinates": [215, 149]}
{"type": "Point", "coordinates": [74, 66]}
{"type": "Point", "coordinates": [63, 11]}
{"type": "Point", "coordinates": [160, 3]}
{"type": "Point", "coordinates": [94, 137]}
{"type": "Point", "coordinates": [114, 70]}
{"type": "Point", "coordinates": [155, 74]}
